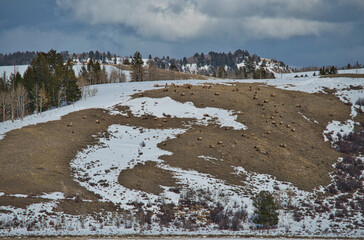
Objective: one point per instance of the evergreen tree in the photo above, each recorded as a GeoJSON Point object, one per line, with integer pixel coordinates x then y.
{"type": "Point", "coordinates": [29, 84]}
{"type": "Point", "coordinates": [108, 56]}
{"type": "Point", "coordinates": [71, 91]}
{"type": "Point", "coordinates": [357, 65]}
{"type": "Point", "coordinates": [221, 72]}
{"type": "Point", "coordinates": [126, 61]}
{"type": "Point", "coordinates": [91, 54]}
{"type": "Point", "coordinates": [250, 65]}
{"type": "Point", "coordinates": [137, 67]}
{"type": "Point", "coordinates": [266, 209]}
{"type": "Point", "coordinates": [184, 61]}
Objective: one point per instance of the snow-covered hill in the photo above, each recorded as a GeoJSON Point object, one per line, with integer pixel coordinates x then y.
{"type": "Point", "coordinates": [124, 142]}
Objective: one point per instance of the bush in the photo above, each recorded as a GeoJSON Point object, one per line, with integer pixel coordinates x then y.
{"type": "Point", "coordinates": [360, 102]}
{"type": "Point", "coordinates": [266, 209]}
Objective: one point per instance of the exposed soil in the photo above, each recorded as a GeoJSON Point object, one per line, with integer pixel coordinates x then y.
{"type": "Point", "coordinates": [279, 141]}
{"type": "Point", "coordinates": [146, 177]}
{"type": "Point", "coordinates": [35, 159]}
{"type": "Point", "coordinates": [19, 202]}
{"type": "Point", "coordinates": [86, 208]}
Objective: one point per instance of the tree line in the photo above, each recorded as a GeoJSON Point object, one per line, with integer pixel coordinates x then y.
{"type": "Point", "coordinates": [17, 58]}
{"type": "Point", "coordinates": [24, 58]}
{"type": "Point", "coordinates": [147, 71]}
{"type": "Point", "coordinates": [213, 61]}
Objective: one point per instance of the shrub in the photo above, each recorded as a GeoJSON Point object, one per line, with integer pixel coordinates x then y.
{"type": "Point", "coordinates": [360, 102]}
{"type": "Point", "coordinates": [266, 209]}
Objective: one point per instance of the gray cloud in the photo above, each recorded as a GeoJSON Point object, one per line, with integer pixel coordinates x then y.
{"type": "Point", "coordinates": [309, 32]}
{"type": "Point", "coordinates": [169, 20]}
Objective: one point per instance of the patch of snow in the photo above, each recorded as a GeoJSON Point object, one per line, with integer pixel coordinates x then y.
{"type": "Point", "coordinates": [209, 158]}
{"type": "Point", "coordinates": [160, 107]}
{"type": "Point", "coordinates": [18, 195]}
{"type": "Point", "coordinates": [307, 118]}
{"type": "Point", "coordinates": [336, 128]}
{"type": "Point", "coordinates": [351, 96]}
{"type": "Point", "coordinates": [53, 196]}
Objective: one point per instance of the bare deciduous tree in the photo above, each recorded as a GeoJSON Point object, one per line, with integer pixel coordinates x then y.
{"type": "Point", "coordinates": [43, 99]}
{"type": "Point", "coordinates": [22, 100]}
{"type": "Point", "coordinates": [117, 76]}
{"type": "Point", "coordinates": [4, 103]}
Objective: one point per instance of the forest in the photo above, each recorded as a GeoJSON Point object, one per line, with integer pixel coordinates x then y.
{"type": "Point", "coordinates": [46, 83]}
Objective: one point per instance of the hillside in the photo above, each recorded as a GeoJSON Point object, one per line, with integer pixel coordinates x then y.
{"type": "Point", "coordinates": [187, 157]}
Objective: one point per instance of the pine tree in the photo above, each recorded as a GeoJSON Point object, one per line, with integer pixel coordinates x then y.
{"type": "Point", "coordinates": [266, 209]}
{"type": "Point", "coordinates": [137, 67]}
{"type": "Point", "coordinates": [184, 61]}
{"type": "Point", "coordinates": [250, 65]}
{"type": "Point", "coordinates": [71, 90]}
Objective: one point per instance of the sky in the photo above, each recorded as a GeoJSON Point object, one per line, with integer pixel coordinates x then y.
{"type": "Point", "coordinates": [299, 32]}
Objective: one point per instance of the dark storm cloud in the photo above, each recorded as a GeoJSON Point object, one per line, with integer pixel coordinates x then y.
{"type": "Point", "coordinates": [310, 32]}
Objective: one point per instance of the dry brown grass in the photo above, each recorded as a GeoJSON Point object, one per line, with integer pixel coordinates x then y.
{"type": "Point", "coordinates": [343, 75]}
{"type": "Point", "coordinates": [305, 159]}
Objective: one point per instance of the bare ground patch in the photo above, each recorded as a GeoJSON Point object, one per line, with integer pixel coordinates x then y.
{"type": "Point", "coordinates": [147, 177]}
{"type": "Point", "coordinates": [35, 159]}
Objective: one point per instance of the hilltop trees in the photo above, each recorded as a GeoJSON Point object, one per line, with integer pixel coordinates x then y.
{"type": "Point", "coordinates": [328, 70]}
{"type": "Point", "coordinates": [17, 58]}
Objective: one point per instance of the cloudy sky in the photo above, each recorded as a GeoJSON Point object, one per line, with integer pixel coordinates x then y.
{"type": "Point", "coordinates": [298, 32]}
